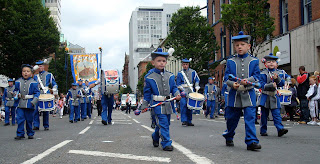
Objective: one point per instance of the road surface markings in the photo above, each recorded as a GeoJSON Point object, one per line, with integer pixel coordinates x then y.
{"type": "Point", "coordinates": [212, 120]}
{"type": "Point", "coordinates": [136, 121]}
{"type": "Point", "coordinates": [122, 123]}
{"type": "Point", "coordinates": [46, 153]}
{"type": "Point", "coordinates": [107, 141]}
{"type": "Point", "coordinates": [193, 157]}
{"type": "Point", "coordinates": [95, 117]}
{"type": "Point", "coordinates": [85, 130]}
{"type": "Point", "coordinates": [91, 122]}
{"type": "Point", "coordinates": [145, 136]}
{"type": "Point", "coordinates": [120, 120]}
{"type": "Point", "coordinates": [123, 156]}
{"type": "Point", "coordinates": [129, 116]}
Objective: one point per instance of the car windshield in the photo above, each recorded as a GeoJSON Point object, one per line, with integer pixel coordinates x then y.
{"type": "Point", "coordinates": [124, 96]}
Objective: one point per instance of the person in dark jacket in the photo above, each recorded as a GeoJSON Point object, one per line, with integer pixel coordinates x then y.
{"type": "Point", "coordinates": [303, 81]}
{"type": "Point", "coordinates": [290, 109]}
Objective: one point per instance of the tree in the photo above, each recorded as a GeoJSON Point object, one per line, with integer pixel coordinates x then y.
{"type": "Point", "coordinates": [140, 84]}
{"type": "Point", "coordinates": [125, 90]}
{"type": "Point", "coordinates": [250, 16]}
{"type": "Point", "coordinates": [192, 37]}
{"type": "Point", "coordinates": [60, 68]}
{"type": "Point", "coordinates": [27, 34]}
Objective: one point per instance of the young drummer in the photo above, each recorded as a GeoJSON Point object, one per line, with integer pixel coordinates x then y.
{"type": "Point", "coordinates": [210, 91]}
{"type": "Point", "coordinates": [241, 95]}
{"type": "Point", "coordinates": [9, 103]}
{"type": "Point", "coordinates": [29, 93]}
{"type": "Point", "coordinates": [73, 96]}
{"type": "Point", "coordinates": [269, 99]}
{"type": "Point", "coordinates": [159, 86]}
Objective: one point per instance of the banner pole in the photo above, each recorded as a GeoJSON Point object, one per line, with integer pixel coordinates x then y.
{"type": "Point", "coordinates": [100, 60]}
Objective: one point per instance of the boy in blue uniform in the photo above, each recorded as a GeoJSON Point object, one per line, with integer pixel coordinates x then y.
{"type": "Point", "coordinates": [90, 94]}
{"type": "Point", "coordinates": [159, 86]}
{"type": "Point", "coordinates": [73, 96]}
{"type": "Point", "coordinates": [192, 76]}
{"type": "Point", "coordinates": [210, 91]}
{"type": "Point", "coordinates": [242, 96]}
{"type": "Point", "coordinates": [9, 103]}
{"type": "Point", "coordinates": [83, 108]}
{"type": "Point", "coordinates": [28, 98]}
{"type": "Point", "coordinates": [269, 99]}
{"type": "Point", "coordinates": [45, 78]}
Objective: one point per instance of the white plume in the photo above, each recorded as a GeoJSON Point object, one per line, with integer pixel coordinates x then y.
{"type": "Point", "coordinates": [190, 59]}
{"type": "Point", "coordinates": [35, 67]}
{"type": "Point", "coordinates": [170, 51]}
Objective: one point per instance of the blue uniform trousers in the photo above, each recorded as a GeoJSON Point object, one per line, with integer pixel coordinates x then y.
{"type": "Point", "coordinates": [83, 109]}
{"type": "Point", "coordinates": [107, 105]}
{"type": "Point", "coordinates": [9, 110]}
{"type": "Point", "coordinates": [186, 114]}
{"type": "Point", "coordinates": [36, 120]}
{"type": "Point", "coordinates": [162, 129]}
{"type": "Point", "coordinates": [276, 119]}
{"type": "Point", "coordinates": [233, 116]}
{"type": "Point", "coordinates": [25, 115]}
{"type": "Point", "coordinates": [89, 109]}
{"type": "Point", "coordinates": [74, 110]}
{"type": "Point", "coordinates": [211, 106]}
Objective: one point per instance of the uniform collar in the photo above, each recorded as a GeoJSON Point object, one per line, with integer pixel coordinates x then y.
{"type": "Point", "coordinates": [27, 78]}
{"type": "Point", "coordinates": [185, 69]}
{"type": "Point", "coordinates": [210, 84]}
{"type": "Point", "coordinates": [42, 72]}
{"type": "Point", "coordinates": [271, 69]}
{"type": "Point", "coordinates": [243, 56]}
{"type": "Point", "coordinates": [157, 70]}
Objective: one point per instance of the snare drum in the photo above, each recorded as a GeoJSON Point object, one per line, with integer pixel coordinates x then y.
{"type": "Point", "coordinates": [195, 101]}
{"type": "Point", "coordinates": [285, 97]}
{"type": "Point", "coordinates": [46, 102]}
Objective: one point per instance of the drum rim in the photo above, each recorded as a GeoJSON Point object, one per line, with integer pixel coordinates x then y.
{"type": "Point", "coordinates": [194, 98]}
{"type": "Point", "coordinates": [46, 99]}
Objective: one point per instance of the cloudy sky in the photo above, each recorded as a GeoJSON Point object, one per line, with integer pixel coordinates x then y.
{"type": "Point", "coordinates": [105, 23]}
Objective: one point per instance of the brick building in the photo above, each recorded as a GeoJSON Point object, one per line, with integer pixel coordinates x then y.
{"type": "Point", "coordinates": [125, 70]}
{"type": "Point", "coordinates": [296, 35]}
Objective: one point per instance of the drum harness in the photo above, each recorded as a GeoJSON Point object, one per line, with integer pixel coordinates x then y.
{"type": "Point", "coordinates": [45, 89]}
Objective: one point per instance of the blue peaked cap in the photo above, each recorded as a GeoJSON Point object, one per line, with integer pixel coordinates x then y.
{"type": "Point", "coordinates": [271, 57]}
{"type": "Point", "coordinates": [185, 60]}
{"type": "Point", "coordinates": [159, 52]}
{"type": "Point", "coordinates": [241, 37]}
{"type": "Point", "coordinates": [26, 65]}
{"type": "Point", "coordinates": [40, 62]}
{"type": "Point", "coordinates": [80, 80]}
{"type": "Point", "coordinates": [74, 84]}
{"type": "Point", "coordinates": [10, 80]}
{"type": "Point", "coordinates": [210, 78]}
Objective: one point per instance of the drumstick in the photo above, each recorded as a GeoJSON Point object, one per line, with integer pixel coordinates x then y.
{"type": "Point", "coordinates": [257, 85]}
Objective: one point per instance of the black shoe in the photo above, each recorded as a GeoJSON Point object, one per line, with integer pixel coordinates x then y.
{"type": "Point", "coordinates": [264, 134]}
{"type": "Point", "coordinates": [71, 121]}
{"type": "Point", "coordinates": [30, 137]}
{"type": "Point", "coordinates": [35, 128]}
{"type": "Point", "coordinates": [13, 124]}
{"type": "Point", "coordinates": [46, 129]}
{"type": "Point", "coordinates": [257, 123]}
{"type": "Point", "coordinates": [212, 118]}
{"type": "Point", "coordinates": [7, 124]}
{"type": "Point", "coordinates": [190, 124]}
{"type": "Point", "coordinates": [253, 146]}
{"type": "Point", "coordinates": [18, 138]}
{"type": "Point", "coordinates": [85, 118]}
{"type": "Point", "coordinates": [82, 119]}
{"type": "Point", "coordinates": [229, 143]}
{"type": "Point", "coordinates": [168, 148]}
{"type": "Point", "coordinates": [110, 123]}
{"type": "Point", "coordinates": [184, 124]}
{"type": "Point", "coordinates": [104, 122]}
{"type": "Point", "coordinates": [154, 142]}
{"type": "Point", "coordinates": [206, 116]}
{"type": "Point", "coordinates": [282, 132]}
{"type": "Point", "coordinates": [153, 125]}
{"type": "Point", "coordinates": [78, 119]}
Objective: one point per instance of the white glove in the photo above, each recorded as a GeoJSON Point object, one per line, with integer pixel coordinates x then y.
{"type": "Point", "coordinates": [98, 82]}
{"type": "Point", "coordinates": [197, 88]}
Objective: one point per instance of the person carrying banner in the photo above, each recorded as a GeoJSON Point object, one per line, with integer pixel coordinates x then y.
{"type": "Point", "coordinates": [89, 96]}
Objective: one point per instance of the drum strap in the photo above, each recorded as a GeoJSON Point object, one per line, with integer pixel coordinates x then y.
{"type": "Point", "coordinates": [41, 84]}
{"type": "Point", "coordinates": [187, 80]}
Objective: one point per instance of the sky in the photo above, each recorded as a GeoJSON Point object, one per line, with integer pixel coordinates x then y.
{"type": "Point", "coordinates": [105, 23]}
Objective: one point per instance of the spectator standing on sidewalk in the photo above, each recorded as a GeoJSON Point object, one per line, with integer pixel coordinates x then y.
{"type": "Point", "coordinates": [128, 103]}
{"type": "Point", "coordinates": [303, 87]}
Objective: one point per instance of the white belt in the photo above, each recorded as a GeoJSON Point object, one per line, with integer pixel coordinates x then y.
{"type": "Point", "coordinates": [73, 99]}
{"type": "Point", "coordinates": [186, 85]}
{"type": "Point", "coordinates": [9, 99]}
{"type": "Point", "coordinates": [27, 97]}
{"type": "Point", "coordinates": [160, 98]}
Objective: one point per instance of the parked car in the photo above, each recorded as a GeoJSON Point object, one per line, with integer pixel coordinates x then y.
{"type": "Point", "coordinates": [133, 102]}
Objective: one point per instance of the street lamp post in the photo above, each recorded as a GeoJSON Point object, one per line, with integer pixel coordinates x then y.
{"type": "Point", "coordinates": [67, 68]}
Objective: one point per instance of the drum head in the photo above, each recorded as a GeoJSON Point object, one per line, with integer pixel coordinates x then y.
{"type": "Point", "coordinates": [285, 92]}
{"type": "Point", "coordinates": [196, 95]}
{"type": "Point", "coordinates": [46, 97]}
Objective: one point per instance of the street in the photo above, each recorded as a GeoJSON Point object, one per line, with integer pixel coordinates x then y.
{"type": "Point", "coordinates": [128, 141]}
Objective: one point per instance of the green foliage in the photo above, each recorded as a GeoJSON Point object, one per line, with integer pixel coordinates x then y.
{"type": "Point", "coordinates": [140, 84]}
{"type": "Point", "coordinates": [59, 69]}
{"type": "Point", "coordinates": [125, 90]}
{"type": "Point", "coordinates": [250, 16]}
{"type": "Point", "coordinates": [27, 34]}
{"type": "Point", "coordinates": [192, 37]}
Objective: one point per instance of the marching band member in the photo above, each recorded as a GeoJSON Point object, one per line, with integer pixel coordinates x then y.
{"type": "Point", "coordinates": [159, 86]}
{"type": "Point", "coordinates": [242, 96]}
{"type": "Point", "coordinates": [73, 97]}
{"type": "Point", "coordinates": [90, 94]}
{"type": "Point", "coordinates": [83, 108]}
{"type": "Point", "coordinates": [9, 103]}
{"type": "Point", "coordinates": [193, 78]}
{"type": "Point", "coordinates": [28, 98]}
{"type": "Point", "coordinates": [210, 91]}
{"type": "Point", "coordinates": [269, 99]}
{"type": "Point", "coordinates": [44, 79]}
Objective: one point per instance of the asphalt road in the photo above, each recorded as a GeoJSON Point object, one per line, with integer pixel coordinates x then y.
{"type": "Point", "coordinates": [128, 141]}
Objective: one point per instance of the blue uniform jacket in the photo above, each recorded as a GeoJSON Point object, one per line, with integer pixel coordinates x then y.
{"type": "Point", "coordinates": [192, 77]}
{"type": "Point", "coordinates": [27, 87]}
{"type": "Point", "coordinates": [47, 79]}
{"type": "Point", "coordinates": [162, 84]}
{"type": "Point", "coordinates": [207, 91]}
{"type": "Point", "coordinates": [73, 93]}
{"type": "Point", "coordinates": [244, 67]}
{"type": "Point", "coordinates": [7, 94]}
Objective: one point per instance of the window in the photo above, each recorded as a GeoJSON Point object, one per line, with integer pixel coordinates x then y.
{"type": "Point", "coordinates": [213, 12]}
{"type": "Point", "coordinates": [307, 11]}
{"type": "Point", "coordinates": [221, 2]}
{"type": "Point", "coordinates": [284, 16]}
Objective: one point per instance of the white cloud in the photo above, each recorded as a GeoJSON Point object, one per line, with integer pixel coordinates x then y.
{"type": "Point", "coordinates": [105, 23]}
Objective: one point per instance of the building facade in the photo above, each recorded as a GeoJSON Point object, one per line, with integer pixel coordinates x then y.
{"type": "Point", "coordinates": [296, 35]}
{"type": "Point", "coordinates": [75, 48]}
{"type": "Point", "coordinates": [147, 25]}
{"type": "Point", "coordinates": [54, 7]}
{"type": "Point", "coordinates": [125, 70]}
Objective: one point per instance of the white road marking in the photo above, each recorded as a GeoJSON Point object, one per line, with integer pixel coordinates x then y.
{"type": "Point", "coordinates": [129, 116]}
{"type": "Point", "coordinates": [171, 120]}
{"type": "Point", "coordinates": [122, 123]}
{"type": "Point", "coordinates": [46, 153]}
{"type": "Point", "coordinates": [123, 156]}
{"type": "Point", "coordinates": [145, 136]}
{"type": "Point", "coordinates": [120, 120]}
{"type": "Point", "coordinates": [85, 130]}
{"type": "Point", "coordinates": [136, 121]}
{"type": "Point", "coordinates": [91, 122]}
{"type": "Point", "coordinates": [193, 157]}
{"type": "Point", "coordinates": [212, 120]}
{"type": "Point", "coordinates": [107, 141]}
{"type": "Point", "coordinates": [95, 117]}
